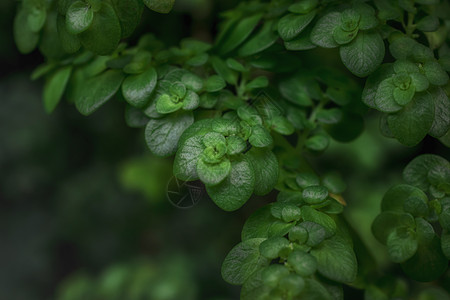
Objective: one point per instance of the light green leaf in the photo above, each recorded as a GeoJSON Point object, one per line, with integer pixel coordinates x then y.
{"type": "Point", "coordinates": [281, 125]}
{"type": "Point", "coordinates": [322, 33]}
{"type": "Point", "coordinates": [364, 54]}
{"type": "Point", "coordinates": [236, 189]}
{"type": "Point", "coordinates": [161, 6]}
{"type": "Point", "coordinates": [137, 89]}
{"type": "Point", "coordinates": [343, 37]}
{"type": "Point", "coordinates": [318, 142]}
{"type": "Point", "coordinates": [411, 124]}
{"type": "Point", "coordinates": [242, 261]}
{"type": "Point", "coordinates": [162, 135]}
{"type": "Point", "coordinates": [265, 166]}
{"type": "Point", "coordinates": [213, 174]}
{"type": "Point", "coordinates": [165, 104]}
{"type": "Point", "coordinates": [97, 90]}
{"type": "Point", "coordinates": [403, 97]}
{"type": "Point", "coordinates": [291, 25]}
{"type": "Point", "coordinates": [37, 16]}
{"type": "Point", "coordinates": [192, 82]}
{"type": "Point", "coordinates": [315, 194]}
{"type": "Point", "coordinates": [54, 88]}
{"type": "Point", "coordinates": [235, 145]}
{"type": "Point", "coordinates": [79, 17]}
{"type": "Point", "coordinates": [336, 260]}
{"type": "Point", "coordinates": [104, 34]}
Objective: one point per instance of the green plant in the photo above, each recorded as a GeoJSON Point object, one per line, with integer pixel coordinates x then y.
{"type": "Point", "coordinates": [246, 113]}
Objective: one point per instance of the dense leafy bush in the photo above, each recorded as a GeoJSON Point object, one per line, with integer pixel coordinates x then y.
{"type": "Point", "coordinates": [246, 113]}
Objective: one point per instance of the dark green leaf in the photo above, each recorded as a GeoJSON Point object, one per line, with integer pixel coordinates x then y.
{"type": "Point", "coordinates": [412, 123]}
{"type": "Point", "coordinates": [304, 264]}
{"type": "Point", "coordinates": [336, 260]}
{"type": "Point", "coordinates": [322, 33]}
{"type": "Point", "coordinates": [136, 89]}
{"type": "Point", "coordinates": [265, 166]}
{"type": "Point", "coordinates": [260, 41]}
{"type": "Point", "coordinates": [54, 88]}
{"type": "Point", "coordinates": [162, 135]}
{"type": "Point", "coordinates": [402, 244]}
{"type": "Point", "coordinates": [242, 261]}
{"type": "Point", "coordinates": [441, 122]}
{"type": "Point", "coordinates": [292, 25]}
{"type": "Point", "coordinates": [161, 6]}
{"type": "Point", "coordinates": [258, 224]}
{"type": "Point", "coordinates": [26, 39]}
{"type": "Point", "coordinates": [97, 90]}
{"type": "Point", "coordinates": [185, 164]}
{"type": "Point", "coordinates": [104, 34]}
{"type": "Point", "coordinates": [364, 54]}
{"type": "Point", "coordinates": [272, 246]}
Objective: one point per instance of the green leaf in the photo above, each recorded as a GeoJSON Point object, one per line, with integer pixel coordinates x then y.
{"type": "Point", "coordinates": [162, 135]}
{"type": "Point", "coordinates": [384, 98]}
{"type": "Point", "coordinates": [313, 215]}
{"type": "Point", "coordinates": [290, 213]}
{"type": "Point", "coordinates": [189, 152]}
{"type": "Point", "coordinates": [265, 166]}
{"type": "Point", "coordinates": [242, 261]}
{"type": "Point", "coordinates": [411, 124]}
{"type": "Point", "coordinates": [318, 142]}
{"type": "Point", "coordinates": [435, 73]}
{"type": "Point", "coordinates": [294, 90]}
{"type": "Point", "coordinates": [336, 260]}
{"type": "Point", "coordinates": [69, 42]}
{"type": "Point", "coordinates": [37, 16]}
{"type": "Point", "coordinates": [303, 42]}
{"type": "Point", "coordinates": [428, 264]}
{"type": "Point", "coordinates": [364, 54]}
{"type": "Point", "coordinates": [161, 6]}
{"type": "Point", "coordinates": [298, 234]}
{"type": "Point", "coordinates": [304, 264]}
{"type": "Point", "coordinates": [315, 291]}
{"type": "Point", "coordinates": [291, 25]}
{"type": "Point", "coordinates": [236, 189]}
{"type": "Point", "coordinates": [428, 24]}
{"type": "Point", "coordinates": [260, 41]}
{"type": "Point", "coordinates": [129, 13]}
{"type": "Point", "coordinates": [334, 182]}
{"type": "Point", "coordinates": [137, 89]}
{"type": "Point", "coordinates": [258, 224]}
{"type": "Point", "coordinates": [445, 244]}
{"type": "Point", "coordinates": [134, 117]}
{"type": "Point", "coordinates": [235, 145]}
{"type": "Point", "coordinates": [322, 33]}
{"type": "Point", "coordinates": [281, 125]}
{"type": "Point", "coordinates": [257, 83]}
{"type": "Point", "coordinates": [402, 244]}
{"type": "Point", "coordinates": [403, 97]}
{"type": "Point", "coordinates": [272, 275]}
{"type": "Point", "coordinates": [192, 82]}
{"type": "Point", "coordinates": [303, 7]}
{"type": "Point", "coordinates": [79, 17]}
{"type": "Point", "coordinates": [213, 174]}
{"type": "Point", "coordinates": [315, 194]}
{"type": "Point", "coordinates": [254, 287]}
{"type": "Point", "coordinates": [260, 137]}
{"type": "Point", "coordinates": [343, 37]}
{"type": "Point", "coordinates": [237, 34]}
{"type": "Point", "coordinates": [54, 88]}
{"type": "Point", "coordinates": [191, 100]}
{"type": "Point", "coordinates": [306, 179]}
{"type": "Point", "coordinates": [373, 82]}
{"type": "Point", "coordinates": [223, 70]}
{"type": "Point", "coordinates": [395, 197]}
{"type": "Point", "coordinates": [316, 233]}
{"type": "Point", "coordinates": [416, 172]}
{"type": "Point", "coordinates": [104, 34]}
{"type": "Point", "coordinates": [441, 123]}
{"type": "Point", "coordinates": [388, 221]}
{"type": "Point", "coordinates": [214, 83]}
{"type": "Point", "coordinates": [25, 38]}
{"type": "Point", "coordinates": [165, 104]}
{"type": "Point", "coordinates": [272, 246]}
{"type": "Point", "coordinates": [97, 90]}
{"type": "Point", "coordinates": [292, 284]}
